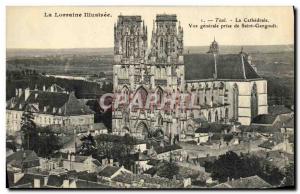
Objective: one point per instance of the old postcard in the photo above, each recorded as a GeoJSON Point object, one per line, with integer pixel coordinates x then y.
{"type": "Point", "coordinates": [150, 97]}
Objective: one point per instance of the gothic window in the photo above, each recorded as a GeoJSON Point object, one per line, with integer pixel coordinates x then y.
{"type": "Point", "coordinates": [159, 95]}
{"type": "Point", "coordinates": [160, 120]}
{"type": "Point", "coordinates": [205, 100]}
{"type": "Point", "coordinates": [126, 118]}
{"type": "Point", "coordinates": [226, 113]}
{"type": "Point", "coordinates": [209, 117]}
{"type": "Point", "coordinates": [216, 116]}
{"type": "Point", "coordinates": [254, 102]}
{"type": "Point", "coordinates": [235, 101]}
{"type": "Point", "coordinates": [161, 45]}
{"type": "Point", "coordinates": [142, 129]}
{"type": "Point", "coordinates": [127, 47]}
{"type": "Point", "coordinates": [221, 88]}
{"type": "Point", "coordinates": [143, 95]}
{"type": "Point", "coordinates": [125, 93]}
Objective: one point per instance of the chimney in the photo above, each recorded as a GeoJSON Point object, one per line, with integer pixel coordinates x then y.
{"type": "Point", "coordinates": [72, 157]}
{"type": "Point", "coordinates": [45, 180]}
{"type": "Point", "coordinates": [66, 184]}
{"type": "Point", "coordinates": [104, 161]}
{"type": "Point", "coordinates": [20, 92]}
{"type": "Point", "coordinates": [27, 93]}
{"type": "Point", "coordinates": [36, 183]}
{"type": "Point", "coordinates": [111, 162]}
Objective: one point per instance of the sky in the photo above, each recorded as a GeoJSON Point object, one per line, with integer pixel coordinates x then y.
{"type": "Point", "coordinates": [27, 27]}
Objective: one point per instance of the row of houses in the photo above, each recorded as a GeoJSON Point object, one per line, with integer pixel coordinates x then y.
{"type": "Point", "coordinates": [49, 106]}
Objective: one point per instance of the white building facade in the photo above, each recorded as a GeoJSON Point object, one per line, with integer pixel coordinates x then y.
{"type": "Point", "coordinates": [227, 87]}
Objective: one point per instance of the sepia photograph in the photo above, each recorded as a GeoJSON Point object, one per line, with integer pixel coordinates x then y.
{"type": "Point", "coordinates": [141, 97]}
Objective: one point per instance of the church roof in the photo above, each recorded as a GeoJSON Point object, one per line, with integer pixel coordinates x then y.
{"type": "Point", "coordinates": [229, 66]}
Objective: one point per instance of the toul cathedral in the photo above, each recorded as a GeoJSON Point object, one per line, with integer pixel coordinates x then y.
{"type": "Point", "coordinates": [227, 87]}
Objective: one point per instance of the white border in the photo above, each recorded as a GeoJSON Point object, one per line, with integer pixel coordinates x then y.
{"type": "Point", "coordinates": [5, 3]}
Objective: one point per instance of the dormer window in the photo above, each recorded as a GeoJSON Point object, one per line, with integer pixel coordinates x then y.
{"type": "Point", "coordinates": [45, 108]}
{"type": "Point", "coordinates": [54, 109]}
{"type": "Point", "coordinates": [20, 106]}
{"type": "Point", "coordinates": [59, 110]}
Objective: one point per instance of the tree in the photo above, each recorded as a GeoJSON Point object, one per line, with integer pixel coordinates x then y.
{"type": "Point", "coordinates": [231, 165]}
{"type": "Point", "coordinates": [289, 176]}
{"type": "Point", "coordinates": [47, 142]}
{"type": "Point", "coordinates": [168, 170]}
{"type": "Point", "coordinates": [88, 146]}
{"type": "Point", "coordinates": [28, 128]}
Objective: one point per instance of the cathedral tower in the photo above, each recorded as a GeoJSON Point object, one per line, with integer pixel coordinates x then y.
{"type": "Point", "coordinates": [130, 40]}
{"type": "Point", "coordinates": [167, 40]}
{"type": "Point", "coordinates": [214, 49]}
{"type": "Point", "coordinates": [166, 52]}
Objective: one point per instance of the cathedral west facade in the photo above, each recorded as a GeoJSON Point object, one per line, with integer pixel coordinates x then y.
{"type": "Point", "coordinates": [226, 87]}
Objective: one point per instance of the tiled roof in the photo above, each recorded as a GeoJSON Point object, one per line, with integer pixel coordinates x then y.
{"type": "Point", "coordinates": [268, 144]}
{"type": "Point", "coordinates": [278, 109]}
{"type": "Point", "coordinates": [251, 182]}
{"type": "Point", "coordinates": [168, 148]}
{"type": "Point", "coordinates": [147, 180]}
{"type": "Point", "coordinates": [264, 119]}
{"type": "Point", "coordinates": [222, 186]}
{"type": "Point", "coordinates": [229, 66]}
{"type": "Point", "coordinates": [22, 156]}
{"type": "Point", "coordinates": [257, 128]}
{"type": "Point", "coordinates": [87, 176]}
{"type": "Point", "coordinates": [27, 181]}
{"type": "Point", "coordinates": [290, 123]}
{"type": "Point", "coordinates": [96, 162]}
{"type": "Point", "coordinates": [60, 103]}
{"type": "Point", "coordinates": [108, 171]}
{"type": "Point", "coordinates": [213, 127]}
{"type": "Point", "coordinates": [83, 184]}
{"type": "Point", "coordinates": [119, 139]}
{"type": "Point", "coordinates": [56, 180]}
